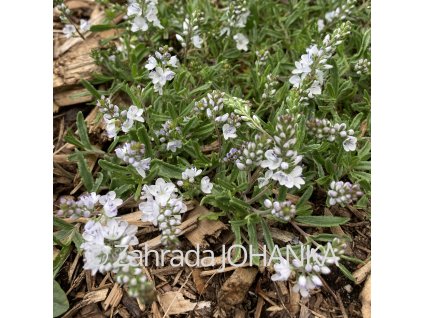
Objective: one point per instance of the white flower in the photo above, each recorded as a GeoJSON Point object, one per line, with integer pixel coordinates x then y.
{"type": "Point", "coordinates": [190, 173]}
{"type": "Point", "coordinates": [142, 166]}
{"type": "Point", "coordinates": [206, 185]}
{"type": "Point", "coordinates": [320, 25]}
{"type": "Point", "coordinates": [272, 160]}
{"type": "Point", "coordinates": [84, 25]}
{"type": "Point", "coordinates": [241, 41]}
{"type": "Point", "coordinates": [135, 113]}
{"type": "Point", "coordinates": [139, 23]}
{"type": "Point", "coordinates": [152, 63]}
{"type": "Point", "coordinates": [110, 203]}
{"type": "Point", "coordinates": [134, 9]}
{"type": "Point", "coordinates": [296, 80]}
{"type": "Point", "coordinates": [173, 61]}
{"type": "Point", "coordinates": [161, 191]}
{"type": "Point", "coordinates": [197, 41]}
{"type": "Point", "coordinates": [174, 145]}
{"type": "Point", "coordinates": [315, 89]}
{"type": "Point", "coordinates": [289, 180]}
{"type": "Point", "coordinates": [229, 131]}
{"type": "Point", "coordinates": [283, 271]}
{"type": "Point", "coordinates": [350, 143]}
{"type": "Point", "coordinates": [150, 210]}
{"type": "Point", "coordinates": [69, 30]}
{"type": "Point", "coordinates": [263, 181]}
{"type": "Point", "coordinates": [111, 128]}
{"type": "Point", "coordinates": [242, 19]}
{"type": "Point", "coordinates": [127, 124]}
{"type": "Point", "coordinates": [159, 78]}
{"type": "Point", "coordinates": [87, 203]}
{"type": "Point", "coordinates": [151, 15]}
{"type": "Point", "coordinates": [119, 230]}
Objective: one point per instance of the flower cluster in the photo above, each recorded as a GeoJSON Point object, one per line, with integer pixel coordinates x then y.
{"type": "Point", "coordinates": [282, 161]}
{"type": "Point", "coordinates": [232, 156]}
{"type": "Point", "coordinates": [211, 105]}
{"type": "Point", "coordinates": [190, 31]}
{"type": "Point", "coordinates": [163, 207]}
{"type": "Point", "coordinates": [235, 18]}
{"type": "Point", "coordinates": [324, 129]}
{"type": "Point", "coordinates": [340, 13]}
{"type": "Point", "coordinates": [133, 154]}
{"type": "Point", "coordinates": [171, 134]}
{"type": "Point", "coordinates": [343, 192]}
{"type": "Point", "coordinates": [117, 119]}
{"type": "Point", "coordinates": [262, 57]}
{"type": "Point", "coordinates": [269, 87]}
{"type": "Point", "coordinates": [362, 66]}
{"type": "Point", "coordinates": [143, 12]}
{"type": "Point", "coordinates": [158, 66]}
{"type": "Point", "coordinates": [251, 153]}
{"type": "Point", "coordinates": [285, 210]}
{"type": "Point", "coordinates": [307, 269]}
{"type": "Point", "coordinates": [308, 75]}
{"type": "Point", "coordinates": [89, 205]}
{"type": "Point", "coordinates": [188, 179]}
{"type": "Point", "coordinates": [105, 249]}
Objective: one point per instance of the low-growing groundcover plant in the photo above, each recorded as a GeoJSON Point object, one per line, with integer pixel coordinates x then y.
{"type": "Point", "coordinates": [257, 110]}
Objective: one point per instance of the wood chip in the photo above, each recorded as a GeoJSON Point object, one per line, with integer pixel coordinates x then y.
{"type": "Point", "coordinates": [72, 96]}
{"type": "Point", "coordinates": [114, 297]}
{"type": "Point", "coordinates": [259, 307]}
{"type": "Point", "coordinates": [204, 228]}
{"type": "Point", "coordinates": [361, 273]}
{"type": "Point", "coordinates": [200, 283]}
{"type": "Point", "coordinates": [365, 297]}
{"type": "Point", "coordinates": [174, 303]}
{"type": "Point", "coordinates": [236, 286]}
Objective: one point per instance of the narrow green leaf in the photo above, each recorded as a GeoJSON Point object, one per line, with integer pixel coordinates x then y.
{"type": "Point", "coordinates": [90, 87]}
{"type": "Point", "coordinates": [60, 259]}
{"type": "Point", "coordinates": [145, 139]}
{"type": "Point", "coordinates": [71, 138]}
{"type": "Point", "coordinates": [112, 167]}
{"type": "Point", "coordinates": [166, 169]}
{"type": "Point", "coordinates": [347, 273]}
{"type": "Point", "coordinates": [97, 182]}
{"type": "Point", "coordinates": [321, 221]}
{"type": "Point", "coordinates": [252, 235]}
{"type": "Point", "coordinates": [85, 173]}
{"type": "Point", "coordinates": [306, 195]}
{"type": "Point", "coordinates": [267, 235]}
{"type": "Point", "coordinates": [82, 131]}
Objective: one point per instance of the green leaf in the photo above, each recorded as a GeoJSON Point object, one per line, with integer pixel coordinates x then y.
{"type": "Point", "coordinates": [112, 167]}
{"type": "Point", "coordinates": [90, 87]}
{"type": "Point", "coordinates": [347, 273]}
{"type": "Point", "coordinates": [60, 259]}
{"type": "Point", "coordinates": [321, 221]}
{"type": "Point", "coordinates": [145, 139]}
{"type": "Point", "coordinates": [85, 173]}
{"type": "Point", "coordinates": [102, 27]}
{"type": "Point", "coordinates": [60, 301]}
{"type": "Point", "coordinates": [236, 228]}
{"type": "Point", "coordinates": [252, 235]}
{"type": "Point", "coordinates": [166, 169]}
{"type": "Point", "coordinates": [97, 182]}
{"type": "Point", "coordinates": [71, 138]}
{"type": "Point", "coordinates": [267, 235]}
{"type": "Point", "coordinates": [306, 195]}
{"type": "Point", "coordinates": [82, 131]}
